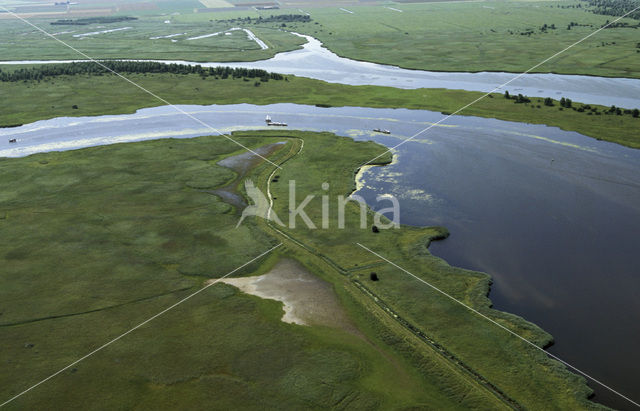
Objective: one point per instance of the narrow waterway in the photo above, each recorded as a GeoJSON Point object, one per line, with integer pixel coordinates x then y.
{"type": "Point", "coordinates": [317, 62]}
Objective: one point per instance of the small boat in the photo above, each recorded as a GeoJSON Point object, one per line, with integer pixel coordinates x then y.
{"type": "Point", "coordinates": [381, 130]}
{"type": "Point", "coordinates": [13, 140]}
{"type": "Point", "coordinates": [274, 123]}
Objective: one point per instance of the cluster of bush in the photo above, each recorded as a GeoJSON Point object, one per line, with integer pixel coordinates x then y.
{"type": "Point", "coordinates": [517, 99]}
{"type": "Point", "coordinates": [38, 73]}
{"type": "Point", "coordinates": [576, 24]}
{"type": "Point", "coordinates": [543, 29]}
{"type": "Point", "coordinates": [566, 103]}
{"type": "Point", "coordinates": [590, 110]}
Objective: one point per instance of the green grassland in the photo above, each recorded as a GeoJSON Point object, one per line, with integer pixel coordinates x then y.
{"type": "Point", "coordinates": [441, 36]}
{"type": "Point", "coordinates": [109, 95]}
{"type": "Point", "coordinates": [476, 36]}
{"type": "Point", "coordinates": [103, 238]}
{"type": "Point", "coordinates": [22, 42]}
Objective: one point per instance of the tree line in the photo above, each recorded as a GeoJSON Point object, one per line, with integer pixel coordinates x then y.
{"type": "Point", "coordinates": [92, 20]}
{"type": "Point", "coordinates": [280, 18]}
{"type": "Point", "coordinates": [46, 71]}
{"type": "Point", "coordinates": [566, 103]}
{"type": "Point", "coordinates": [614, 7]}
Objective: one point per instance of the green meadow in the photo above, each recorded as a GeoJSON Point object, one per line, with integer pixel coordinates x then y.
{"type": "Point", "coordinates": [480, 36]}
{"type": "Point", "coordinates": [143, 40]}
{"type": "Point", "coordinates": [97, 95]}
{"type": "Point", "coordinates": [103, 238]}
{"type": "Point", "coordinates": [472, 36]}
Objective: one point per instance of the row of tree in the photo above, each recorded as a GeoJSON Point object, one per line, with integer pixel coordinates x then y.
{"type": "Point", "coordinates": [519, 99]}
{"type": "Point", "coordinates": [567, 103]}
{"type": "Point", "coordinates": [280, 18]}
{"type": "Point", "coordinates": [614, 7]}
{"type": "Point", "coordinates": [42, 72]}
{"type": "Point", "coordinates": [92, 20]}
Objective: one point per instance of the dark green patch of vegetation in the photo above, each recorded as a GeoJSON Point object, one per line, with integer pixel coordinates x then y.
{"type": "Point", "coordinates": [93, 20]}
{"type": "Point", "coordinates": [615, 8]}
{"type": "Point", "coordinates": [280, 18]}
{"type": "Point", "coordinates": [139, 67]}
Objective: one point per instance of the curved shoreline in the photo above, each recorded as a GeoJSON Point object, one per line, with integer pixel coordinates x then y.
{"type": "Point", "coordinates": [315, 61]}
{"type": "Point", "coordinates": [479, 296]}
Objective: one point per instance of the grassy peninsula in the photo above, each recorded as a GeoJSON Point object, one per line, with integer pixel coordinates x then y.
{"type": "Point", "coordinates": [116, 233]}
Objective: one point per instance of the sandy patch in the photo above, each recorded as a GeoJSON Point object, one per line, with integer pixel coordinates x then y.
{"type": "Point", "coordinates": [307, 299]}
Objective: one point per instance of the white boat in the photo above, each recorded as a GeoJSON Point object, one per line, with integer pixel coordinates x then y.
{"type": "Point", "coordinates": [381, 130]}
{"type": "Point", "coordinates": [273, 123]}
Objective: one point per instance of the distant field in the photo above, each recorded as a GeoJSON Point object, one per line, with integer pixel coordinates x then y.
{"type": "Point", "coordinates": [147, 38]}
{"type": "Point", "coordinates": [448, 36]}
{"type": "Point", "coordinates": [479, 36]}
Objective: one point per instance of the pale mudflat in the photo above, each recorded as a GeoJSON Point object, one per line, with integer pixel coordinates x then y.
{"type": "Point", "coordinates": [307, 299]}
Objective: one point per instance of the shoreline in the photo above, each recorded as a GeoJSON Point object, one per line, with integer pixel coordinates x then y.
{"type": "Point", "coordinates": [323, 46]}
{"type": "Point", "coordinates": [478, 296]}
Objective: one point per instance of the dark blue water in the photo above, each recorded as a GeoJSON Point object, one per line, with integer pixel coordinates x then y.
{"type": "Point", "coordinates": [556, 226]}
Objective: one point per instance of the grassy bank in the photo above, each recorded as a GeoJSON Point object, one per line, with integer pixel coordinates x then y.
{"type": "Point", "coordinates": [523, 374]}
{"type": "Point", "coordinates": [110, 95]}
{"type": "Point", "coordinates": [102, 238]}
